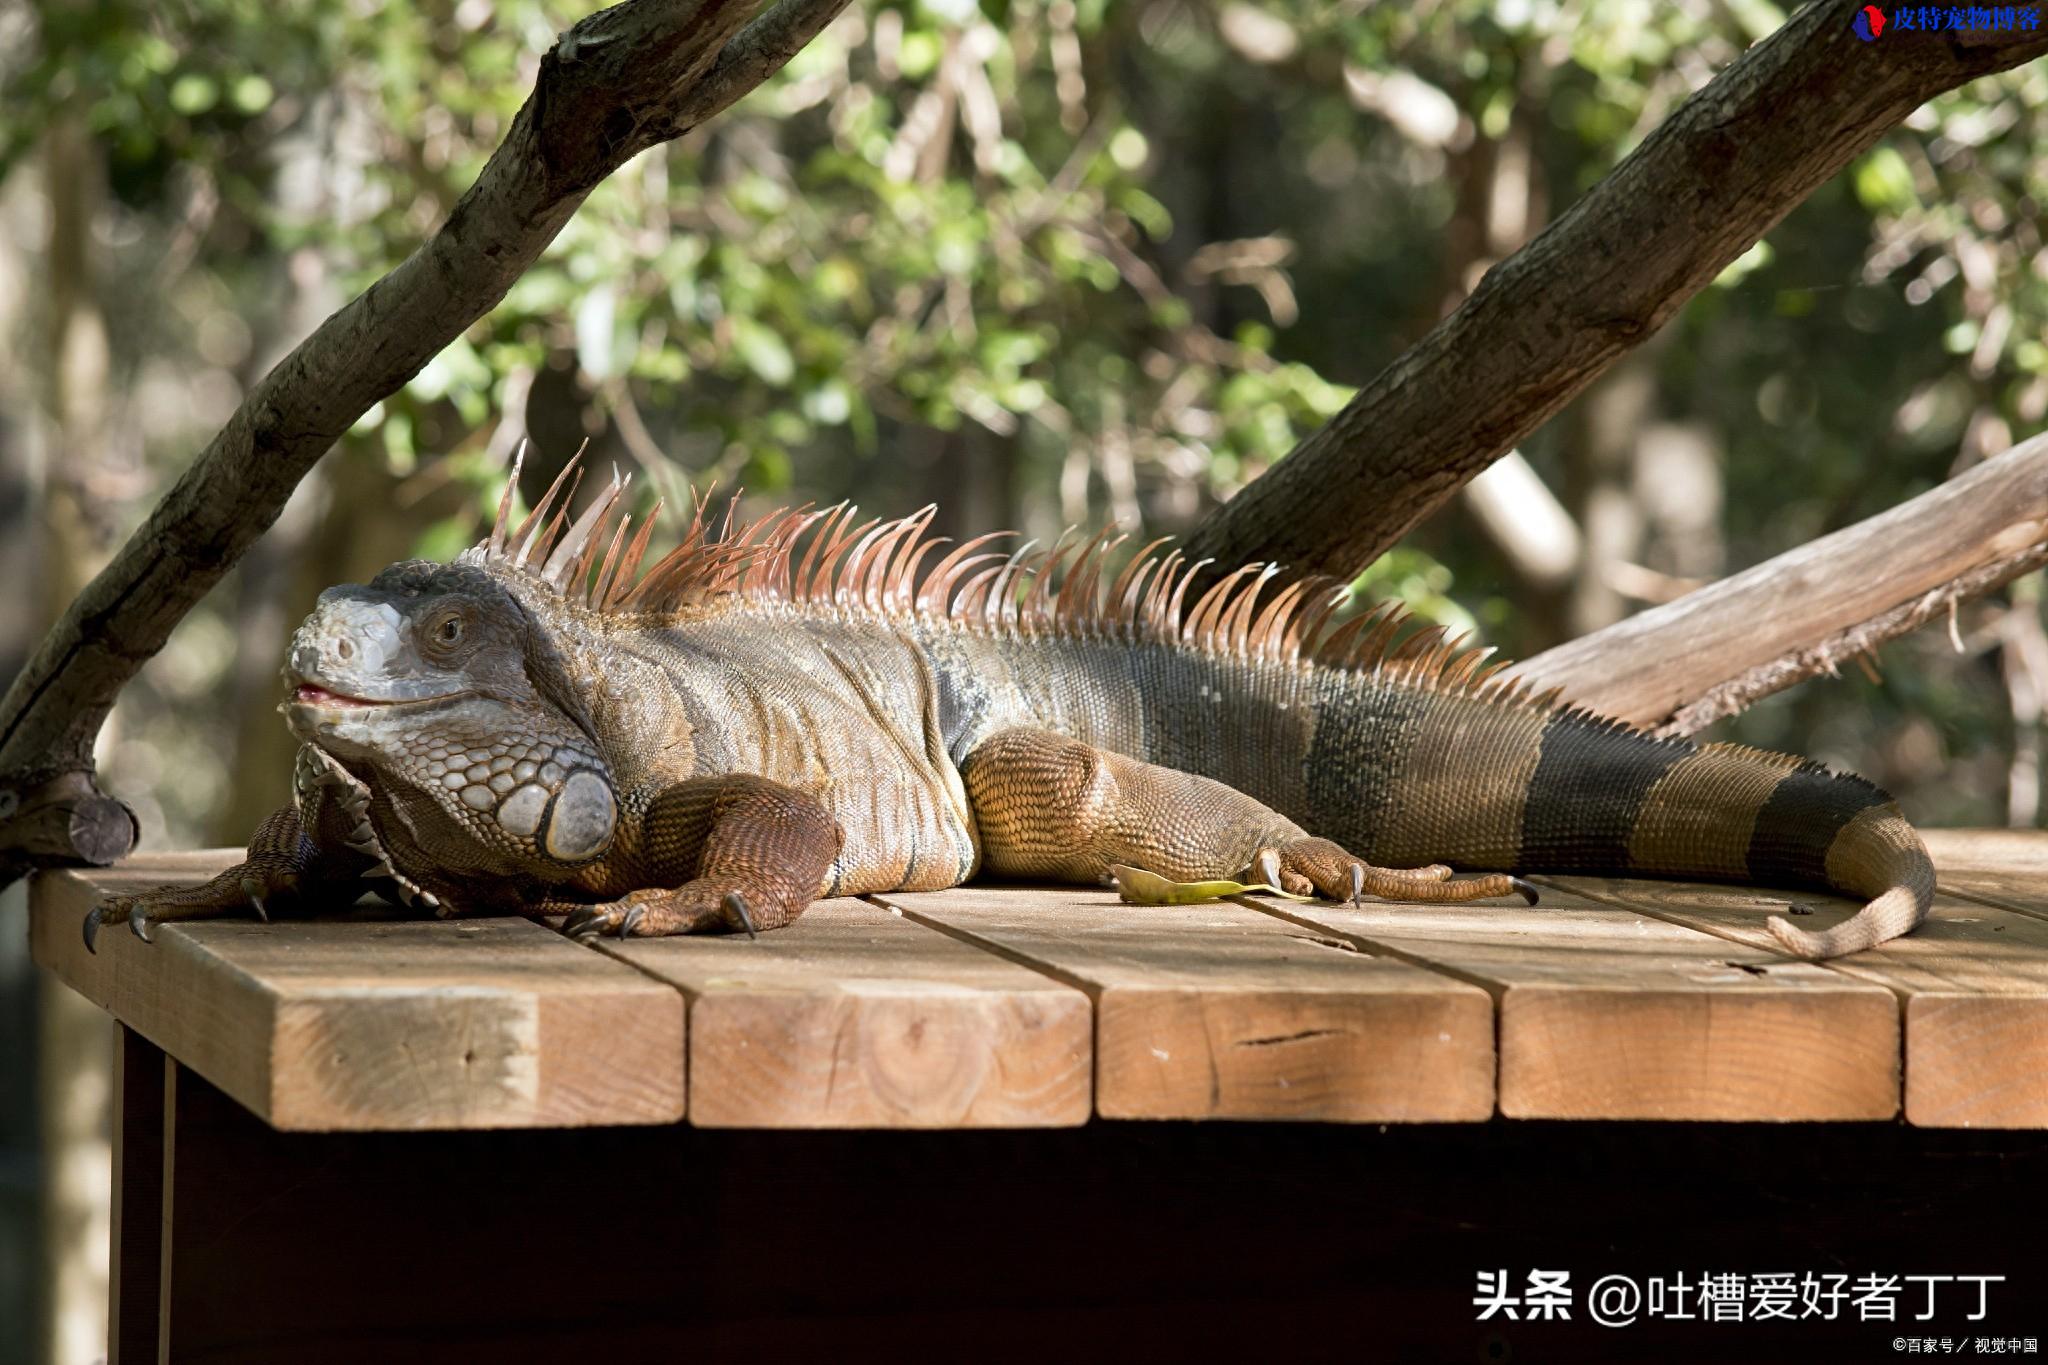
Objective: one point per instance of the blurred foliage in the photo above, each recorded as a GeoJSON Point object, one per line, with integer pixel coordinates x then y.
{"type": "Point", "coordinates": [1043, 262]}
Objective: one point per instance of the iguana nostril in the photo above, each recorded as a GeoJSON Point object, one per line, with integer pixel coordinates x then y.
{"type": "Point", "coordinates": [343, 648]}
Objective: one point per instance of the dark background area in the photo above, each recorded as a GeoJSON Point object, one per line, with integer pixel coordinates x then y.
{"type": "Point", "coordinates": [1118, 1240]}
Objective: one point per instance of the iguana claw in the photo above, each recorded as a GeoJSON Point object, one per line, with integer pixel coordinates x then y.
{"type": "Point", "coordinates": [634, 914]}
{"type": "Point", "coordinates": [737, 904]}
{"type": "Point", "coordinates": [585, 924]}
{"type": "Point", "coordinates": [95, 918]}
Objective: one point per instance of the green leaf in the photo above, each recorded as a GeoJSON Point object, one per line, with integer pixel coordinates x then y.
{"type": "Point", "coordinates": [1885, 182]}
{"type": "Point", "coordinates": [1139, 887]}
{"type": "Point", "coordinates": [763, 351]}
{"type": "Point", "coordinates": [252, 95]}
{"type": "Point", "coordinates": [192, 93]}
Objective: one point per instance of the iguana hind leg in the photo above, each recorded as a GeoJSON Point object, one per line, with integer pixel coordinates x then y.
{"type": "Point", "coordinates": [739, 853]}
{"type": "Point", "coordinates": [1050, 806]}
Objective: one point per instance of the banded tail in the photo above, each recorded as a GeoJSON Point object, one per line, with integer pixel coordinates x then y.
{"type": "Point", "coordinates": [1532, 790]}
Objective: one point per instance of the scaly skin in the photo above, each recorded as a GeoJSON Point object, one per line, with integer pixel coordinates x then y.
{"type": "Point", "coordinates": [717, 747]}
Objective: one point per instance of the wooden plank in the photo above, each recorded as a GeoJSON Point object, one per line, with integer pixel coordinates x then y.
{"type": "Point", "coordinates": [854, 1017]}
{"type": "Point", "coordinates": [2003, 867]}
{"type": "Point", "coordinates": [1217, 1011]}
{"type": "Point", "coordinates": [1974, 979]}
{"type": "Point", "coordinates": [355, 1023]}
{"type": "Point", "coordinates": [1609, 1014]}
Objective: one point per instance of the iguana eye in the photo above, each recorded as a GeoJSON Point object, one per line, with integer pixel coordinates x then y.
{"type": "Point", "coordinates": [444, 633]}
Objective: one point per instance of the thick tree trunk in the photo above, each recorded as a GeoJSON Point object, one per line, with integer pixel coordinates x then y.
{"type": "Point", "coordinates": [1717, 175]}
{"type": "Point", "coordinates": [622, 80]}
{"type": "Point", "coordinates": [1680, 667]}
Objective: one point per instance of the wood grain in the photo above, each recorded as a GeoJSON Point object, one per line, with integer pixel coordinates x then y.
{"type": "Point", "coordinates": [2003, 867]}
{"type": "Point", "coordinates": [1609, 1014]}
{"type": "Point", "coordinates": [854, 1017]}
{"type": "Point", "coordinates": [1217, 1011]}
{"type": "Point", "coordinates": [373, 1023]}
{"type": "Point", "coordinates": [1973, 979]}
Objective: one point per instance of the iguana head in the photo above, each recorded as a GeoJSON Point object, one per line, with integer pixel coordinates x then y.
{"type": "Point", "coordinates": [433, 687]}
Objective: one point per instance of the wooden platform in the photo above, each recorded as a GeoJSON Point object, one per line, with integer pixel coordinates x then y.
{"type": "Point", "coordinates": [1021, 1007]}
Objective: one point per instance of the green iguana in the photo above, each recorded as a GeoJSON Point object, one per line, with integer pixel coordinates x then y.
{"type": "Point", "coordinates": [536, 728]}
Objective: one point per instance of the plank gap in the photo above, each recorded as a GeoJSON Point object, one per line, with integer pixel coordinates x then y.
{"type": "Point", "coordinates": [904, 903]}
{"type": "Point", "coordinates": [1990, 900]}
{"type": "Point", "coordinates": [1217, 1011]}
{"type": "Point", "coordinates": [853, 1017]}
{"type": "Point", "coordinates": [1281, 910]}
{"type": "Point", "coordinates": [1971, 984]}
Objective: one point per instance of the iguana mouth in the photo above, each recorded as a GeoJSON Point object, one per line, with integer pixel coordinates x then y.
{"type": "Point", "coordinates": [312, 694]}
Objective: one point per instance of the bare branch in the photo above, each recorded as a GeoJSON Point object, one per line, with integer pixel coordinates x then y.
{"type": "Point", "coordinates": [1543, 324]}
{"type": "Point", "coordinates": [758, 52]}
{"type": "Point", "coordinates": [64, 818]}
{"type": "Point", "coordinates": [622, 80]}
{"type": "Point", "coordinates": [1711, 653]}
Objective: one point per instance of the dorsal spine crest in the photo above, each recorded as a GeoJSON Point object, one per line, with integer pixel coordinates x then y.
{"type": "Point", "coordinates": [872, 568]}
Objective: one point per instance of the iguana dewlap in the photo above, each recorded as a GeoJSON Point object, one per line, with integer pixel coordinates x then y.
{"type": "Point", "coordinates": [802, 707]}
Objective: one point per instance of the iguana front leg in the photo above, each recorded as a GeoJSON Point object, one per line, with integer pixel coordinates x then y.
{"type": "Point", "coordinates": [1049, 806]}
{"type": "Point", "coordinates": [309, 854]}
{"type": "Point", "coordinates": [736, 852]}
{"type": "Point", "coordinates": [284, 868]}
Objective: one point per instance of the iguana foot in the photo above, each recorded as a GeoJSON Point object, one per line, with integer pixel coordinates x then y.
{"type": "Point", "coordinates": [247, 888]}
{"type": "Point", "coordinates": [1306, 867]}
{"type": "Point", "coordinates": [693, 908]}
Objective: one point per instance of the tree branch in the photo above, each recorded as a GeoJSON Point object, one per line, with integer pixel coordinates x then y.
{"type": "Point", "coordinates": [1680, 667]}
{"type": "Point", "coordinates": [1543, 324]}
{"type": "Point", "coordinates": [622, 80]}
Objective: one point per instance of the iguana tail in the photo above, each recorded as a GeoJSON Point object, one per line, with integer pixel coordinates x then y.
{"type": "Point", "coordinates": [1532, 790]}
{"type": "Point", "coordinates": [1739, 814]}
{"type": "Point", "coordinates": [1879, 855]}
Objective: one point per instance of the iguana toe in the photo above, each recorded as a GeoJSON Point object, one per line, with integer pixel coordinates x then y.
{"type": "Point", "coordinates": [1335, 873]}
